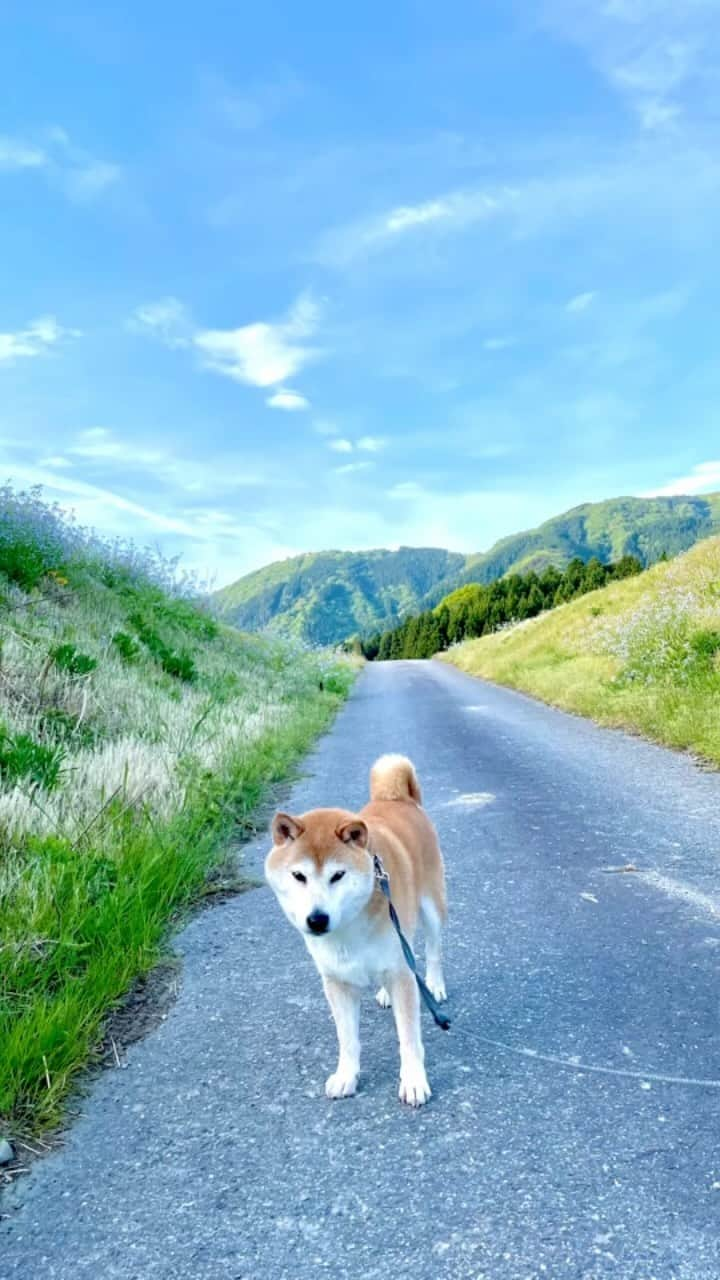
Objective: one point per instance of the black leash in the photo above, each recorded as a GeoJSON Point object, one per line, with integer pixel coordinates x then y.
{"type": "Point", "coordinates": [441, 1018]}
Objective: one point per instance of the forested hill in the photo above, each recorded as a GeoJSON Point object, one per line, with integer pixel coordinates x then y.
{"type": "Point", "coordinates": [325, 597]}
{"type": "Point", "coordinates": [643, 527]}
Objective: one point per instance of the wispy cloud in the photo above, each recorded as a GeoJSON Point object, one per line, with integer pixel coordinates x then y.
{"type": "Point", "coordinates": [55, 460]}
{"type": "Point", "coordinates": [36, 340]}
{"type": "Point", "coordinates": [89, 500]}
{"type": "Point", "coordinates": [340, 246]}
{"type": "Point", "coordinates": [498, 344]}
{"type": "Point", "coordinates": [81, 176]}
{"type": "Point", "coordinates": [291, 401]}
{"type": "Point", "coordinates": [263, 354]}
{"type": "Point", "coordinates": [99, 443]}
{"type": "Point", "coordinates": [703, 478]}
{"type": "Point", "coordinates": [349, 468]}
{"type": "Point", "coordinates": [85, 181]}
{"type": "Point", "coordinates": [580, 302]}
{"type": "Point", "coordinates": [247, 108]}
{"type": "Point", "coordinates": [656, 53]}
{"type": "Point", "coordinates": [407, 216]}
{"type": "Point", "coordinates": [365, 444]}
{"type": "Point", "coordinates": [16, 154]}
{"type": "Point", "coordinates": [168, 320]}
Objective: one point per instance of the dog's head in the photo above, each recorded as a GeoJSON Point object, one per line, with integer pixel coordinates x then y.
{"type": "Point", "coordinates": [320, 868]}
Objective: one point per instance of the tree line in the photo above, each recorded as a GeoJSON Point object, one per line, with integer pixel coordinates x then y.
{"type": "Point", "coordinates": [478, 609]}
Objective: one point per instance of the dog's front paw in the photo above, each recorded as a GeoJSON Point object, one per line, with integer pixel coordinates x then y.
{"type": "Point", "coordinates": [414, 1087]}
{"type": "Point", "coordinates": [341, 1084]}
{"type": "Point", "coordinates": [383, 998]}
{"type": "Point", "coordinates": [436, 988]}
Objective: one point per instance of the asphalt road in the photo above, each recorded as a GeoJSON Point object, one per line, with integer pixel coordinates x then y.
{"type": "Point", "coordinates": [213, 1154]}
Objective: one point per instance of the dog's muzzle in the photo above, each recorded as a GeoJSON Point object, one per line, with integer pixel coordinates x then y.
{"type": "Point", "coordinates": [317, 922]}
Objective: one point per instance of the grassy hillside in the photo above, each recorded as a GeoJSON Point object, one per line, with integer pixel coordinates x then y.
{"type": "Point", "coordinates": [325, 597]}
{"type": "Point", "coordinates": [643, 654]}
{"type": "Point", "coordinates": [137, 735]}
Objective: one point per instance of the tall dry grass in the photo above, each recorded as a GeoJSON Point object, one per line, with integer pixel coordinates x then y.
{"type": "Point", "coordinates": [643, 654]}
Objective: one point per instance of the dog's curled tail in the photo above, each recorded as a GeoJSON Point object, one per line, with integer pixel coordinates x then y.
{"type": "Point", "coordinates": [394, 778]}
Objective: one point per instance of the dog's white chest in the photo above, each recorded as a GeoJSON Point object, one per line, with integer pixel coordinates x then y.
{"type": "Point", "coordinates": [355, 955]}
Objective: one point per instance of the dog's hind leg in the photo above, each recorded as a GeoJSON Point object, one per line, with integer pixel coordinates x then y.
{"type": "Point", "coordinates": [344, 1001]}
{"type": "Point", "coordinates": [432, 925]}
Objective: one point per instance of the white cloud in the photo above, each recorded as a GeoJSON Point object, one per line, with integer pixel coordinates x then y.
{"type": "Point", "coordinates": [88, 179]}
{"type": "Point", "coordinates": [168, 319]}
{"type": "Point", "coordinates": [657, 115]}
{"type": "Point", "coordinates": [658, 54]}
{"type": "Point", "coordinates": [36, 340]}
{"type": "Point", "coordinates": [81, 176]}
{"type": "Point", "coordinates": [99, 444]}
{"type": "Point", "coordinates": [371, 444]}
{"type": "Point", "coordinates": [406, 491]}
{"type": "Point", "coordinates": [55, 460]}
{"type": "Point", "coordinates": [349, 468]}
{"type": "Point", "coordinates": [262, 354]}
{"type": "Point", "coordinates": [15, 154]}
{"type": "Point", "coordinates": [498, 344]}
{"type": "Point", "coordinates": [366, 444]}
{"type": "Point", "coordinates": [703, 478]}
{"type": "Point", "coordinates": [91, 502]}
{"type": "Point", "coordinates": [580, 302]}
{"type": "Point", "coordinates": [407, 216]}
{"type": "Point", "coordinates": [284, 398]}
{"type": "Point", "coordinates": [339, 246]}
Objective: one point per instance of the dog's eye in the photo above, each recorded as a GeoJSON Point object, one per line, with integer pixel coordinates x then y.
{"type": "Point", "coordinates": [299, 876]}
{"type": "Point", "coordinates": [338, 876]}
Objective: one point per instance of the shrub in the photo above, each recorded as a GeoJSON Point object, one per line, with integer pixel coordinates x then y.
{"type": "Point", "coordinates": [178, 663]}
{"type": "Point", "coordinates": [705, 645]}
{"type": "Point", "coordinates": [153, 642]}
{"type": "Point", "coordinates": [337, 681]}
{"type": "Point", "coordinates": [22, 563]}
{"type": "Point", "coordinates": [69, 659]}
{"type": "Point", "coordinates": [127, 647]}
{"type": "Point", "coordinates": [22, 758]}
{"type": "Point", "coordinates": [187, 617]}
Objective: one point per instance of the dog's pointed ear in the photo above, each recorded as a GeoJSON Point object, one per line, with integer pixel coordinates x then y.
{"type": "Point", "coordinates": [285, 828]}
{"type": "Point", "coordinates": [353, 832]}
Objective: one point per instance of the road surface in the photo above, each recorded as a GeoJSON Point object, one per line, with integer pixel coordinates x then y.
{"type": "Point", "coordinates": [213, 1154]}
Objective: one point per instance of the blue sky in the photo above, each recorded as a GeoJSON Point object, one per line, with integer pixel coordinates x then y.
{"type": "Point", "coordinates": [285, 277]}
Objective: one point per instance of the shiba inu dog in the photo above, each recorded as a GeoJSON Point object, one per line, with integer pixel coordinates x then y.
{"type": "Point", "coordinates": [321, 870]}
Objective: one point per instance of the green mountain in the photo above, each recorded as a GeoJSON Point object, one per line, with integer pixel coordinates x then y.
{"type": "Point", "coordinates": [643, 527]}
{"type": "Point", "coordinates": [325, 597]}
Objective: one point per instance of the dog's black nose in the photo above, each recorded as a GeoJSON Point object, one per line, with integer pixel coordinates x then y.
{"type": "Point", "coordinates": [318, 921]}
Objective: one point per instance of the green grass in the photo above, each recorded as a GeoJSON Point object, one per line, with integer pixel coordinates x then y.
{"type": "Point", "coordinates": [642, 654]}
{"type": "Point", "coordinates": [82, 919]}
{"type": "Point", "coordinates": [137, 738]}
